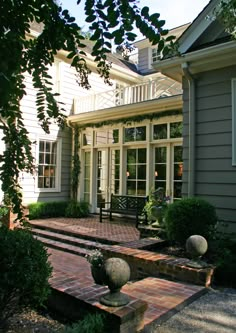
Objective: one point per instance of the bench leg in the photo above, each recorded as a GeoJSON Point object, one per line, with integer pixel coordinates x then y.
{"type": "Point", "coordinates": [100, 215]}
{"type": "Point", "coordinates": [110, 217]}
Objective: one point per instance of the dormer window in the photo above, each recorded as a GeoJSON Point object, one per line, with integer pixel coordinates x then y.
{"type": "Point", "coordinates": [156, 55]}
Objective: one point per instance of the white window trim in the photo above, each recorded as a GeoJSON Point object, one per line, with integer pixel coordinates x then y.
{"type": "Point", "coordinates": [58, 176]}
{"type": "Point", "coordinates": [233, 89]}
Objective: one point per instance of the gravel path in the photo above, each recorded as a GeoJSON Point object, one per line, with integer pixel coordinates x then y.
{"type": "Point", "coordinates": [215, 312]}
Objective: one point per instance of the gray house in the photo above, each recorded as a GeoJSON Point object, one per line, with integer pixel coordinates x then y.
{"type": "Point", "coordinates": [206, 67]}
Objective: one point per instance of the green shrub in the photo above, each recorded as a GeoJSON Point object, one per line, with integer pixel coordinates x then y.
{"type": "Point", "coordinates": [24, 272]}
{"type": "Point", "coordinates": [222, 252]}
{"type": "Point", "coordinates": [92, 323]}
{"type": "Point", "coordinates": [47, 209]}
{"type": "Point", "coordinates": [77, 209]}
{"type": "Point", "coordinates": [191, 216]}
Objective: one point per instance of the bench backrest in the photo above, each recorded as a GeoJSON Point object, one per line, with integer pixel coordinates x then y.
{"type": "Point", "coordinates": [128, 203]}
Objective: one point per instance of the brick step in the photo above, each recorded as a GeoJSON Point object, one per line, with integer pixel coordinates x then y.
{"type": "Point", "coordinates": [66, 239]}
{"type": "Point", "coordinates": [50, 243]}
{"type": "Point", "coordinates": [143, 263]}
{"type": "Point", "coordinates": [76, 234]}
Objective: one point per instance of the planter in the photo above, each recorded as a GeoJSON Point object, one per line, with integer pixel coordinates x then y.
{"type": "Point", "coordinates": [157, 215]}
{"type": "Point", "coordinates": [98, 274]}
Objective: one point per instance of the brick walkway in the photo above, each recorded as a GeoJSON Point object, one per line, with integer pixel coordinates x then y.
{"type": "Point", "coordinates": [71, 273]}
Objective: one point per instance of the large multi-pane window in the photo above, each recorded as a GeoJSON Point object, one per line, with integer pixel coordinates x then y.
{"type": "Point", "coordinates": [132, 160]}
{"type": "Point", "coordinates": [47, 164]}
{"type": "Point", "coordinates": [136, 171]}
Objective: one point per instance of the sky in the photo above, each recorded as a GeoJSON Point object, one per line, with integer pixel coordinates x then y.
{"type": "Point", "coordinates": [174, 12]}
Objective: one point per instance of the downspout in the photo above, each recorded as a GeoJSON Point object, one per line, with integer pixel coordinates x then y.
{"type": "Point", "coordinates": [192, 130]}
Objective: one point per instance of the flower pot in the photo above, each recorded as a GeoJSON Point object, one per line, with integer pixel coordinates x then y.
{"type": "Point", "coordinates": [98, 274]}
{"type": "Point", "coordinates": [157, 215]}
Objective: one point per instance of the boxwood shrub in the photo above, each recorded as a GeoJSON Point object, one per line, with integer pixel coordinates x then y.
{"type": "Point", "coordinates": [190, 216]}
{"type": "Point", "coordinates": [47, 209]}
{"type": "Point", "coordinates": [77, 209]}
{"type": "Point", "coordinates": [24, 272]}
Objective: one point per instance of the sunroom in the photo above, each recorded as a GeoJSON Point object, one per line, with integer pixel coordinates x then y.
{"type": "Point", "coordinates": [129, 149]}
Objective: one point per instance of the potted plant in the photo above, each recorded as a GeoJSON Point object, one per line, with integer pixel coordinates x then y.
{"type": "Point", "coordinates": [156, 207]}
{"type": "Point", "coordinates": [96, 260]}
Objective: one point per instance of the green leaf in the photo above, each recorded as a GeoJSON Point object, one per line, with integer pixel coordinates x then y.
{"type": "Point", "coordinates": [90, 18]}
{"type": "Point", "coordinates": [145, 11]}
{"type": "Point", "coordinates": [71, 54]}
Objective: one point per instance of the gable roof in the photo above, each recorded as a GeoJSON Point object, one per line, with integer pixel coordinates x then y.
{"type": "Point", "coordinates": [203, 46]}
{"type": "Point", "coordinates": [205, 30]}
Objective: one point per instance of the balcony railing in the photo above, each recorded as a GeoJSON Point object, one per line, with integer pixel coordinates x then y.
{"type": "Point", "coordinates": [161, 87]}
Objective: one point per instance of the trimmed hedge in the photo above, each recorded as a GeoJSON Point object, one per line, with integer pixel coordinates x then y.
{"type": "Point", "coordinates": [190, 216]}
{"type": "Point", "coordinates": [40, 210]}
{"type": "Point", "coordinates": [47, 209]}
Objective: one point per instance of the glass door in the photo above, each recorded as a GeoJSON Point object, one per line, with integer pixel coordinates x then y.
{"type": "Point", "coordinates": [136, 171]}
{"type": "Point", "coordinates": [107, 174]}
{"type": "Point", "coordinates": [177, 167]}
{"type": "Point", "coordinates": [168, 169]}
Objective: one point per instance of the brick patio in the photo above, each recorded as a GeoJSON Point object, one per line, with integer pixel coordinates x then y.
{"type": "Point", "coordinates": [72, 276]}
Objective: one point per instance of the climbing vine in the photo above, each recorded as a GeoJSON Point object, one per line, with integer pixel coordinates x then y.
{"type": "Point", "coordinates": [132, 119]}
{"type": "Point", "coordinates": [75, 164]}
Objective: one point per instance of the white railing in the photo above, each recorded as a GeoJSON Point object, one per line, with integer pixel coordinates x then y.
{"type": "Point", "coordinates": [161, 87]}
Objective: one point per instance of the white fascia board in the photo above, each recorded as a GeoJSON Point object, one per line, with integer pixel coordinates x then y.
{"type": "Point", "coordinates": [199, 25]}
{"type": "Point", "coordinates": [213, 57]}
{"type": "Point", "coordinates": [156, 105]}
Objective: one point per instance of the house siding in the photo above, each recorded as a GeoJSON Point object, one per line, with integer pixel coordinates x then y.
{"type": "Point", "coordinates": [28, 181]}
{"type": "Point", "coordinates": [143, 60]}
{"type": "Point", "coordinates": [215, 177]}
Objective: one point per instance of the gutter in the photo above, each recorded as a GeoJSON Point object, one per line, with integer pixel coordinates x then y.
{"type": "Point", "coordinates": [192, 129]}
{"type": "Point", "coordinates": [200, 57]}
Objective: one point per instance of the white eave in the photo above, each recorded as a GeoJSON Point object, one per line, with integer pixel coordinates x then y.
{"type": "Point", "coordinates": [210, 58]}
{"type": "Point", "coordinates": [114, 113]}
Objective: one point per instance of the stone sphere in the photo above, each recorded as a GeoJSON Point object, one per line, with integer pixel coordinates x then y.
{"type": "Point", "coordinates": [117, 273]}
{"type": "Point", "coordinates": [196, 245]}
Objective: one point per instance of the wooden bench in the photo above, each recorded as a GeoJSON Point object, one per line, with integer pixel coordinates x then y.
{"type": "Point", "coordinates": [126, 205]}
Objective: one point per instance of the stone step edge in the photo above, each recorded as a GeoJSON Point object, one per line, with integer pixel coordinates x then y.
{"type": "Point", "coordinates": [74, 234]}
{"type": "Point", "coordinates": [60, 237]}
{"type": "Point", "coordinates": [63, 246]}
